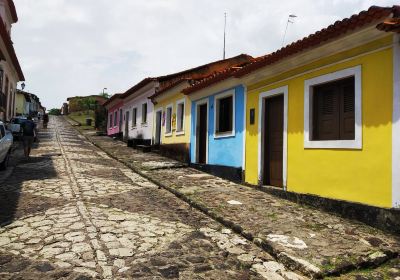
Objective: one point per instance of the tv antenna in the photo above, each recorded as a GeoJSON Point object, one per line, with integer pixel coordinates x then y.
{"type": "Point", "coordinates": [224, 37]}
{"type": "Point", "coordinates": [290, 20]}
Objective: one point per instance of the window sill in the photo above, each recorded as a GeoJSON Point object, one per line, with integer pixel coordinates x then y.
{"type": "Point", "coordinates": [333, 144]}
{"type": "Point", "coordinates": [168, 134]}
{"type": "Point", "coordinates": [144, 124]}
{"type": "Point", "coordinates": [224, 134]}
{"type": "Point", "coordinates": [134, 127]}
{"type": "Point", "coordinates": [180, 133]}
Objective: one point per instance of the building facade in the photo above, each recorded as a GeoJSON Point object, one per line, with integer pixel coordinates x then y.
{"type": "Point", "coordinates": [217, 134]}
{"type": "Point", "coordinates": [114, 107]}
{"type": "Point", "coordinates": [138, 112]}
{"type": "Point", "coordinates": [323, 114]}
{"type": "Point", "coordinates": [173, 109]}
{"type": "Point", "coordinates": [10, 69]}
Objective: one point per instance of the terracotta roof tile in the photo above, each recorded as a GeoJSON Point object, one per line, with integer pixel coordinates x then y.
{"type": "Point", "coordinates": [199, 72]}
{"type": "Point", "coordinates": [332, 32]}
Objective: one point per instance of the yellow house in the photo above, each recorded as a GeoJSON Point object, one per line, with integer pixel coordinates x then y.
{"type": "Point", "coordinates": [172, 109]}
{"type": "Point", "coordinates": [323, 114]}
{"type": "Point", "coordinates": [22, 101]}
{"type": "Point", "coordinates": [172, 121]}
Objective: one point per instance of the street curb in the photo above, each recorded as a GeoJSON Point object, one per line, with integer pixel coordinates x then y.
{"type": "Point", "coordinates": [290, 262]}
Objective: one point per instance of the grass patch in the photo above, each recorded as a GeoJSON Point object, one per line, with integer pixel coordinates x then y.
{"type": "Point", "coordinates": [81, 117]}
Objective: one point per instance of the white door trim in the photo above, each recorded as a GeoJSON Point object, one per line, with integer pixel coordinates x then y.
{"type": "Point", "coordinates": [278, 91]}
{"type": "Point", "coordinates": [155, 124]}
{"type": "Point", "coordinates": [198, 103]}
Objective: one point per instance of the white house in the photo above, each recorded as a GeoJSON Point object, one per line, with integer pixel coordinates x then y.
{"type": "Point", "coordinates": [138, 111]}
{"type": "Point", "coordinates": [10, 69]}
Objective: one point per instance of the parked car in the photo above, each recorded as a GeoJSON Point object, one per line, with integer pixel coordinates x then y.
{"type": "Point", "coordinates": [6, 141]}
{"type": "Point", "coordinates": [15, 126]}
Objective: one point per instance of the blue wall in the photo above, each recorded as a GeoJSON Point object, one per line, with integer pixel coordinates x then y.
{"type": "Point", "coordinates": [226, 151]}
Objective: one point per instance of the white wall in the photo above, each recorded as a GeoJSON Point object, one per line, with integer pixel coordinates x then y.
{"type": "Point", "coordinates": [146, 130]}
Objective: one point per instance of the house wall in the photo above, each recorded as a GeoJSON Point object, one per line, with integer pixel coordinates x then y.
{"type": "Point", "coordinates": [112, 130]}
{"type": "Point", "coordinates": [175, 144]}
{"type": "Point", "coordinates": [142, 130]}
{"type": "Point", "coordinates": [20, 102]}
{"type": "Point", "coordinates": [174, 137]}
{"type": "Point", "coordinates": [357, 175]}
{"type": "Point", "coordinates": [224, 151]}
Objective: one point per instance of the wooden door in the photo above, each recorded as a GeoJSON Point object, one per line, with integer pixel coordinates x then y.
{"type": "Point", "coordinates": [126, 125]}
{"type": "Point", "coordinates": [158, 128]}
{"type": "Point", "coordinates": [273, 144]}
{"type": "Point", "coordinates": [202, 134]}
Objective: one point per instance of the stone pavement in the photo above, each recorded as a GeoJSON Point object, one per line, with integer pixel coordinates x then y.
{"type": "Point", "coordinates": [302, 238]}
{"type": "Point", "coordinates": [73, 212]}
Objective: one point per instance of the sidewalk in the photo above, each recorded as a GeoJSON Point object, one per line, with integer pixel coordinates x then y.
{"type": "Point", "coordinates": [304, 239]}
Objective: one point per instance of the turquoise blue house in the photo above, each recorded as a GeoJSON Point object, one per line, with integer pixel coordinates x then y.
{"type": "Point", "coordinates": [217, 130]}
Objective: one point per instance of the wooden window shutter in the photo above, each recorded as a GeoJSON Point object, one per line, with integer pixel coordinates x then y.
{"type": "Point", "coordinates": [334, 111]}
{"type": "Point", "coordinates": [347, 112]}
{"type": "Point", "coordinates": [225, 123]}
{"type": "Point", "coordinates": [326, 112]}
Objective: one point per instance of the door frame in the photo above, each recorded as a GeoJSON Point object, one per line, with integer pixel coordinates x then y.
{"type": "Point", "coordinates": [261, 131]}
{"type": "Point", "coordinates": [159, 110]}
{"type": "Point", "coordinates": [196, 122]}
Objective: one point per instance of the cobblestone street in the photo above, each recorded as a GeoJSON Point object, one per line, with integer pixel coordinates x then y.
{"type": "Point", "coordinates": [72, 212]}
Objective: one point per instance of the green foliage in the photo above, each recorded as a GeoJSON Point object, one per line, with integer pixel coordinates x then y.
{"type": "Point", "coordinates": [87, 103]}
{"type": "Point", "coordinates": [105, 95]}
{"type": "Point", "coordinates": [55, 112]}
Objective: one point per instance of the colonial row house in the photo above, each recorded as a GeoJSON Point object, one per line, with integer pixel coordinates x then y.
{"type": "Point", "coordinates": [27, 104]}
{"type": "Point", "coordinates": [319, 117]}
{"type": "Point", "coordinates": [144, 113]}
{"type": "Point", "coordinates": [10, 69]}
{"type": "Point", "coordinates": [173, 110]}
{"type": "Point", "coordinates": [322, 115]}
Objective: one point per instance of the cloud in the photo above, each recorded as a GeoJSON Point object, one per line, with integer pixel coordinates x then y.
{"type": "Point", "coordinates": [78, 47]}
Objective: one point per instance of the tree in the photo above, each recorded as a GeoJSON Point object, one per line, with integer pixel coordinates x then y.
{"type": "Point", "coordinates": [104, 94]}
{"type": "Point", "coordinates": [55, 112]}
{"type": "Point", "coordinates": [87, 103]}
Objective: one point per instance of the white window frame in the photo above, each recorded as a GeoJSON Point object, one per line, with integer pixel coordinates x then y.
{"type": "Point", "coordinates": [216, 99]}
{"type": "Point", "coordinates": [308, 110]}
{"type": "Point", "coordinates": [261, 132]}
{"type": "Point", "coordinates": [166, 133]}
{"type": "Point", "coordinates": [134, 125]}
{"type": "Point", "coordinates": [144, 123]}
{"type": "Point", "coordinates": [179, 102]}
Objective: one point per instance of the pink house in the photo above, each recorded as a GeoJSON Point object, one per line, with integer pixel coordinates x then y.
{"type": "Point", "coordinates": [114, 117]}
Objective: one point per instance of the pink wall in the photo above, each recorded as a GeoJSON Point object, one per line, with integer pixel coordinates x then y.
{"type": "Point", "coordinates": [114, 127]}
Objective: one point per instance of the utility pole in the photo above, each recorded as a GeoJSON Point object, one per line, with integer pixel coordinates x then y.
{"type": "Point", "coordinates": [287, 25]}
{"type": "Point", "coordinates": [224, 37]}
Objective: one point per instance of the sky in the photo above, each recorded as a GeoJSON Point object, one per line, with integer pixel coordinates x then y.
{"type": "Point", "coordinates": [78, 47]}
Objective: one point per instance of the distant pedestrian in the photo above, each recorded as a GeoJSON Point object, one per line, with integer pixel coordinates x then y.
{"type": "Point", "coordinates": [45, 120]}
{"type": "Point", "coordinates": [28, 135]}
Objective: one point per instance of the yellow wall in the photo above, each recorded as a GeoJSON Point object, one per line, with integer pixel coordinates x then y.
{"type": "Point", "coordinates": [174, 138]}
{"type": "Point", "coordinates": [20, 103]}
{"type": "Point", "coordinates": [354, 175]}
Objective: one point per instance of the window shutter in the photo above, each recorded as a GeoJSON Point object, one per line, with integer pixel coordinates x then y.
{"type": "Point", "coordinates": [326, 112]}
{"type": "Point", "coordinates": [225, 114]}
{"type": "Point", "coordinates": [347, 114]}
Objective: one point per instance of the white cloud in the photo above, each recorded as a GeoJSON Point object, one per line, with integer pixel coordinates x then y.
{"type": "Point", "coordinates": [77, 47]}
